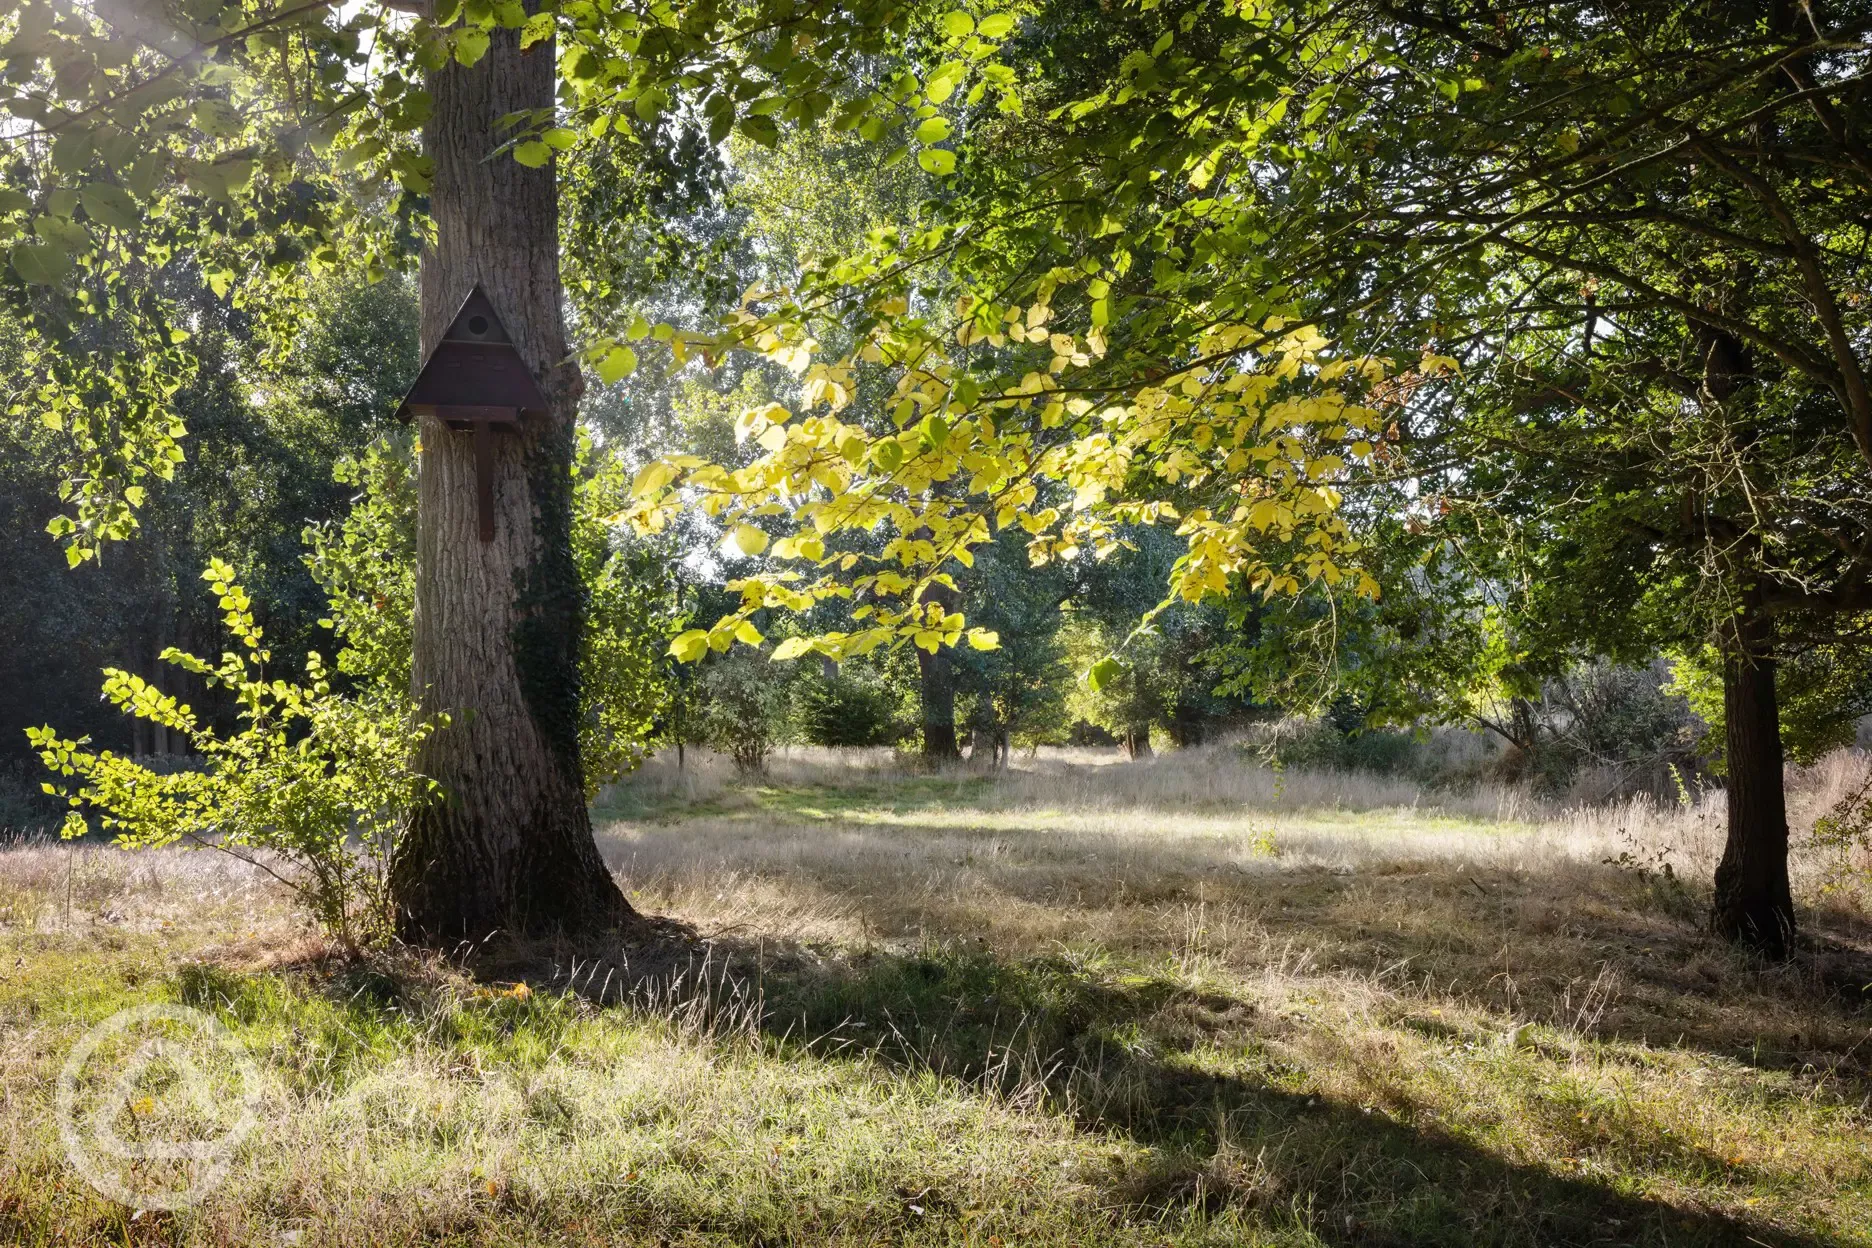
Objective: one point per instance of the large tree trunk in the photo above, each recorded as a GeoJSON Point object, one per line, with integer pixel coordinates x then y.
{"type": "Point", "coordinates": [497, 623]}
{"type": "Point", "coordinates": [936, 675]}
{"type": "Point", "coordinates": [1753, 904]}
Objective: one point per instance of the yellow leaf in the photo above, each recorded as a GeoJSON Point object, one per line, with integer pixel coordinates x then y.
{"type": "Point", "coordinates": [791, 648]}
{"type": "Point", "coordinates": [652, 477]}
{"type": "Point", "coordinates": [748, 539]}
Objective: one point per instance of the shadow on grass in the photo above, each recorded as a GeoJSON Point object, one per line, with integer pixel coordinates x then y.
{"type": "Point", "coordinates": [1125, 1054]}
{"type": "Point", "coordinates": [1581, 946]}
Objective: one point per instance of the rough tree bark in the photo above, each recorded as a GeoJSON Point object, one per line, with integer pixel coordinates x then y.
{"type": "Point", "coordinates": [936, 678]}
{"type": "Point", "coordinates": [497, 623]}
{"type": "Point", "coordinates": [1753, 904]}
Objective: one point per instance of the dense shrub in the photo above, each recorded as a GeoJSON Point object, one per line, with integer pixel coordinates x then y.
{"type": "Point", "coordinates": [842, 710]}
{"type": "Point", "coordinates": [1319, 745]}
{"type": "Point", "coordinates": [1622, 729]}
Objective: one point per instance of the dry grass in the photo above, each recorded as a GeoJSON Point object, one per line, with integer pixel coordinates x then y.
{"type": "Point", "coordinates": [1189, 1001]}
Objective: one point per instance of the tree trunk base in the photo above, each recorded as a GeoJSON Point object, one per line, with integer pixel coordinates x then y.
{"type": "Point", "coordinates": [1753, 906]}
{"type": "Point", "coordinates": [1763, 925]}
{"type": "Point", "coordinates": [454, 886]}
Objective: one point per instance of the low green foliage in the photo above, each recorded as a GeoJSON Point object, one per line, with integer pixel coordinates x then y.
{"type": "Point", "coordinates": [745, 707]}
{"type": "Point", "coordinates": [1822, 692]}
{"type": "Point", "coordinates": [366, 564]}
{"type": "Point", "coordinates": [843, 710]}
{"type": "Point", "coordinates": [633, 605]}
{"type": "Point", "coordinates": [314, 787]}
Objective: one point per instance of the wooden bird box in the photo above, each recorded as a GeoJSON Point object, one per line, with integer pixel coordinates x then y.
{"type": "Point", "coordinates": [475, 381]}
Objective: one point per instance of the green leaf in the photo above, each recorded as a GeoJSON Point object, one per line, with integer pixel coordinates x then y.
{"type": "Point", "coordinates": [943, 81]}
{"type": "Point", "coordinates": [933, 130]}
{"type": "Point", "coordinates": [996, 25]}
{"type": "Point", "coordinates": [532, 153]}
{"type": "Point", "coordinates": [12, 201]}
{"type": "Point", "coordinates": [559, 138]}
{"type": "Point", "coordinates": [581, 66]}
{"type": "Point", "coordinates": [72, 151]}
{"type": "Point", "coordinates": [763, 130]}
{"type": "Point", "coordinates": [747, 634]}
{"type": "Point", "coordinates": [40, 265]}
{"type": "Point", "coordinates": [616, 364]}
{"type": "Point", "coordinates": [1103, 673]}
{"type": "Point", "coordinates": [937, 160]}
{"type": "Point", "coordinates": [471, 45]}
{"type": "Point", "coordinates": [957, 24]}
{"type": "Point", "coordinates": [984, 638]}
{"type": "Point", "coordinates": [111, 206]}
{"type": "Point", "coordinates": [538, 27]}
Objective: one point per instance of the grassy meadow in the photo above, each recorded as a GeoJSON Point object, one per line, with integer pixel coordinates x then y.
{"type": "Point", "coordinates": [1184, 1001]}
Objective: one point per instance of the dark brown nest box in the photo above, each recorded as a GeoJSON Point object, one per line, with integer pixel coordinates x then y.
{"type": "Point", "coordinates": [475, 381]}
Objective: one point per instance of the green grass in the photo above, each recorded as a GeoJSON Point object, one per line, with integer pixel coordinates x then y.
{"type": "Point", "coordinates": [1031, 1047]}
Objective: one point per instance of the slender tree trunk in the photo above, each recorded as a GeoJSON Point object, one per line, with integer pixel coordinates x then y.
{"type": "Point", "coordinates": [1753, 904]}
{"type": "Point", "coordinates": [497, 623]}
{"type": "Point", "coordinates": [1137, 742]}
{"type": "Point", "coordinates": [162, 741]}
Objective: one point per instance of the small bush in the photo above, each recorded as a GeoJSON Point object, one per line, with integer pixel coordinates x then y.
{"type": "Point", "coordinates": [1844, 838]}
{"type": "Point", "coordinates": [1317, 745]}
{"type": "Point", "coordinates": [317, 782]}
{"type": "Point", "coordinates": [745, 700]}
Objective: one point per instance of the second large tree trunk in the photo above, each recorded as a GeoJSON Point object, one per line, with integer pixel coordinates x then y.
{"type": "Point", "coordinates": [1753, 904]}
{"type": "Point", "coordinates": [497, 623]}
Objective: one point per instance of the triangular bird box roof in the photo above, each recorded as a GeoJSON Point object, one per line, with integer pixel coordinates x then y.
{"type": "Point", "coordinates": [475, 365]}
